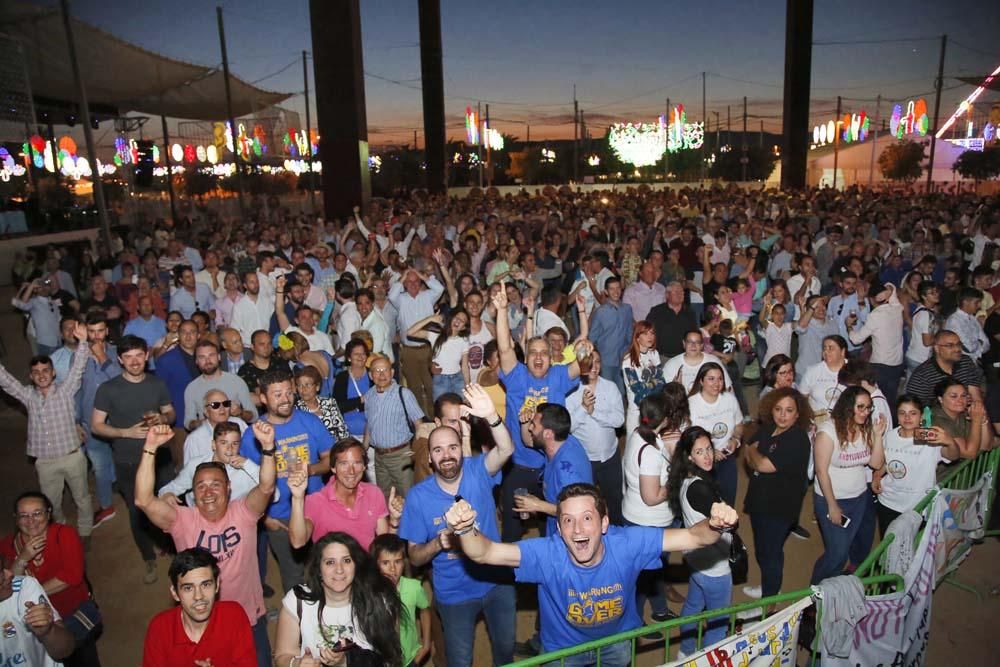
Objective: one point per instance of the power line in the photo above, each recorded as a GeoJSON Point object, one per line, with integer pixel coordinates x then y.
{"type": "Point", "coordinates": [274, 74]}
{"type": "Point", "coordinates": [972, 49]}
{"type": "Point", "coordinates": [876, 41]}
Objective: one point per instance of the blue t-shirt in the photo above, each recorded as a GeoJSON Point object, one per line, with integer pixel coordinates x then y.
{"type": "Point", "coordinates": [305, 434]}
{"type": "Point", "coordinates": [569, 466]}
{"type": "Point", "coordinates": [580, 604]}
{"type": "Point", "coordinates": [525, 390]}
{"type": "Point", "coordinates": [456, 578]}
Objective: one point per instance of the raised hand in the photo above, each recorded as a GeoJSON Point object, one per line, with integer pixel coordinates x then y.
{"type": "Point", "coordinates": [395, 505]}
{"type": "Point", "coordinates": [80, 332]}
{"type": "Point", "coordinates": [723, 516]}
{"type": "Point", "coordinates": [477, 402]}
{"type": "Point", "coordinates": [460, 517]}
{"type": "Point", "coordinates": [264, 433]}
{"type": "Point", "coordinates": [158, 435]}
{"type": "Point", "coordinates": [279, 283]}
{"type": "Point", "coordinates": [500, 298]}
{"type": "Point", "coordinates": [298, 480]}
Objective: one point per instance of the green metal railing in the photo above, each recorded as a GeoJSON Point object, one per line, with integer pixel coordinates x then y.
{"type": "Point", "coordinates": [872, 571]}
{"type": "Point", "coordinates": [871, 584]}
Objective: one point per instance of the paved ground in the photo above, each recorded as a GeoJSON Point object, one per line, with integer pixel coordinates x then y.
{"type": "Point", "coordinates": [961, 629]}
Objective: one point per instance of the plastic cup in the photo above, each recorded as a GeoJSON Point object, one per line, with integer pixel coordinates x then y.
{"type": "Point", "coordinates": [521, 491]}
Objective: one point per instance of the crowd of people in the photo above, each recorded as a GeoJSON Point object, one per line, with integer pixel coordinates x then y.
{"type": "Point", "coordinates": [388, 404]}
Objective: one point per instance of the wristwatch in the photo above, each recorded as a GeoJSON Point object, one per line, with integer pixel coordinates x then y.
{"type": "Point", "coordinates": [268, 452]}
{"type": "Point", "coordinates": [497, 422]}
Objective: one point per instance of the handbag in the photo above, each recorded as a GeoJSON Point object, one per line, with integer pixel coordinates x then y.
{"type": "Point", "coordinates": [739, 559]}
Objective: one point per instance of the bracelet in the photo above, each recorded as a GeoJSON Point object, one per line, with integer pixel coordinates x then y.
{"type": "Point", "coordinates": [151, 453]}
{"type": "Point", "coordinates": [279, 291]}
{"type": "Point", "coordinates": [268, 452]}
{"type": "Point", "coordinates": [473, 527]}
{"type": "Point", "coordinates": [497, 422]}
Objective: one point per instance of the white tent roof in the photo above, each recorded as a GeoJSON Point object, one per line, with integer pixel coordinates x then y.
{"type": "Point", "coordinates": [120, 74]}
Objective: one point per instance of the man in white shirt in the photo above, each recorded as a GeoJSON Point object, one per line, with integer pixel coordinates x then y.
{"type": "Point", "coordinates": [964, 323]}
{"type": "Point", "coordinates": [253, 312]}
{"type": "Point", "coordinates": [925, 325]}
{"type": "Point", "coordinates": [805, 281]}
{"type": "Point", "coordinates": [596, 410]}
{"type": "Point", "coordinates": [372, 322]}
{"type": "Point", "coordinates": [198, 444]}
{"type": "Point", "coordinates": [305, 321]}
{"type": "Point", "coordinates": [547, 316]}
{"type": "Point", "coordinates": [243, 473]}
{"type": "Point", "coordinates": [349, 318]}
{"type": "Point", "coordinates": [590, 284]}
{"type": "Point", "coordinates": [33, 633]}
{"type": "Point", "coordinates": [885, 327]}
{"type": "Point", "coordinates": [414, 302]}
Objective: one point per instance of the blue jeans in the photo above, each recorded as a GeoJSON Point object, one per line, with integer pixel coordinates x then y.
{"type": "Point", "coordinates": [616, 655]}
{"type": "Point", "coordinates": [458, 622]}
{"type": "Point", "coordinates": [726, 473]}
{"type": "Point", "coordinates": [453, 383]}
{"type": "Point", "coordinates": [261, 644]}
{"type": "Point", "coordinates": [706, 593]}
{"type": "Point", "coordinates": [99, 453]}
{"type": "Point", "coordinates": [837, 541]}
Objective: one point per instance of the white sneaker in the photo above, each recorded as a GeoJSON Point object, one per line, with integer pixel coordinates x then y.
{"type": "Point", "coordinates": [681, 655]}
{"type": "Point", "coordinates": [754, 592]}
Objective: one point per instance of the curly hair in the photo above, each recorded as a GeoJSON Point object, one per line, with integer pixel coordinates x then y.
{"type": "Point", "coordinates": [843, 418]}
{"type": "Point", "coordinates": [767, 403]}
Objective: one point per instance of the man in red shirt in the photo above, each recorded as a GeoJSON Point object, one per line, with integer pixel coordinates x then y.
{"type": "Point", "coordinates": [201, 630]}
{"type": "Point", "coordinates": [228, 530]}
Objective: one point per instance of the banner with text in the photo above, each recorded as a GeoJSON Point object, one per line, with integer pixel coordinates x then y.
{"type": "Point", "coordinates": [770, 643]}
{"type": "Point", "coordinates": [962, 520]}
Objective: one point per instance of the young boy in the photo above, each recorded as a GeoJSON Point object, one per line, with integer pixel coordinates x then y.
{"type": "Point", "coordinates": [389, 552]}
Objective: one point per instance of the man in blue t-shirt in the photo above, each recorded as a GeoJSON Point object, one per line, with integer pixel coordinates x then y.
{"type": "Point", "coordinates": [586, 574]}
{"type": "Point", "coordinates": [528, 385]}
{"type": "Point", "coordinates": [299, 439]}
{"type": "Point", "coordinates": [463, 589]}
{"type": "Point", "coordinates": [566, 460]}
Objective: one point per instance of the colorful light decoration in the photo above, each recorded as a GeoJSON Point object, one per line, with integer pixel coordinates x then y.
{"type": "Point", "coordinates": [177, 152]}
{"type": "Point", "coordinates": [968, 101]}
{"type": "Point", "coordinates": [471, 127]}
{"type": "Point", "coordinates": [638, 144]}
{"type": "Point", "coordinates": [492, 138]}
{"type": "Point", "coordinates": [855, 126]}
{"type": "Point", "coordinates": [6, 159]}
{"type": "Point", "coordinates": [375, 163]}
{"type": "Point", "coordinates": [970, 143]}
{"type": "Point", "coordinates": [212, 154]}
{"type": "Point", "coordinates": [593, 161]}
{"type": "Point", "coordinates": [682, 135]}
{"type": "Point", "coordinates": [913, 122]}
{"type": "Point", "coordinates": [189, 153]}
{"type": "Point", "coordinates": [989, 132]}
{"type": "Point", "coordinates": [200, 154]}
{"type": "Point", "coordinates": [548, 155]}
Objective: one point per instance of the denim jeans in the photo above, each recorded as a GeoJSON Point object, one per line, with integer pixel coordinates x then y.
{"type": "Point", "coordinates": [837, 540]}
{"type": "Point", "coordinates": [706, 593]}
{"type": "Point", "coordinates": [261, 643]}
{"type": "Point", "coordinates": [459, 624]}
{"type": "Point", "coordinates": [99, 453]}
{"type": "Point", "coordinates": [862, 544]}
{"type": "Point", "coordinates": [616, 655]}
{"type": "Point", "coordinates": [453, 383]}
{"type": "Point", "coordinates": [726, 473]}
{"type": "Point", "coordinates": [769, 535]}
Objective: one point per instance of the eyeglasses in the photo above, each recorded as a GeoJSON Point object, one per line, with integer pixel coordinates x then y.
{"type": "Point", "coordinates": [866, 407]}
{"type": "Point", "coordinates": [694, 342]}
{"type": "Point", "coordinates": [28, 516]}
{"type": "Point", "coordinates": [215, 405]}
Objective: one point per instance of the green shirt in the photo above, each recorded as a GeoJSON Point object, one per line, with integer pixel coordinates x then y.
{"type": "Point", "coordinates": [413, 597]}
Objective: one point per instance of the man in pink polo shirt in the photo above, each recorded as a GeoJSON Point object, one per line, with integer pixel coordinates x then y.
{"type": "Point", "coordinates": [345, 504]}
{"type": "Point", "coordinates": [227, 530]}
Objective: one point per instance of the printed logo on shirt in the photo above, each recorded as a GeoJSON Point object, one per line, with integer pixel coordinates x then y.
{"type": "Point", "coordinates": [476, 356]}
{"type": "Point", "coordinates": [596, 606]}
{"type": "Point", "coordinates": [896, 468]}
{"type": "Point", "coordinates": [720, 430]}
{"type": "Point", "coordinates": [9, 630]}
{"type": "Point", "coordinates": [294, 446]}
{"type": "Point", "coordinates": [534, 398]}
{"type": "Point", "coordinates": [221, 545]}
{"type": "Point", "coordinates": [832, 394]}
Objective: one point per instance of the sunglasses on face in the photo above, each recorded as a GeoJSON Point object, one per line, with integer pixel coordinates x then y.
{"type": "Point", "coordinates": [215, 405]}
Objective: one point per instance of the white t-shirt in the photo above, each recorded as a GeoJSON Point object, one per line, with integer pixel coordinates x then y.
{"type": "Point", "coordinates": [477, 351]}
{"type": "Point", "coordinates": [653, 464]}
{"type": "Point", "coordinates": [545, 320]}
{"type": "Point", "coordinates": [18, 646]}
{"type": "Point", "coordinates": [690, 371]}
{"type": "Point", "coordinates": [588, 294]}
{"type": "Point", "coordinates": [317, 339]}
{"type": "Point", "coordinates": [911, 471]}
{"type": "Point", "coordinates": [923, 323]}
{"type": "Point", "coordinates": [821, 386]}
{"type": "Point", "coordinates": [719, 418]}
{"type": "Point", "coordinates": [449, 357]}
{"type": "Point", "coordinates": [847, 465]}
{"type": "Point", "coordinates": [778, 339]}
{"type": "Point", "coordinates": [649, 371]}
{"type": "Point", "coordinates": [337, 621]}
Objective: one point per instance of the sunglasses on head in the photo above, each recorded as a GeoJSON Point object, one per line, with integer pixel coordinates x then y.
{"type": "Point", "coordinates": [215, 405]}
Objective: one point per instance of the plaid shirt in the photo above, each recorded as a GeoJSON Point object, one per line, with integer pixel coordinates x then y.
{"type": "Point", "coordinates": [51, 419]}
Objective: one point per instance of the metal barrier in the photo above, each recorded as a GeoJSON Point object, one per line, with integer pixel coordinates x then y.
{"type": "Point", "coordinates": [872, 571]}
{"type": "Point", "coordinates": [872, 584]}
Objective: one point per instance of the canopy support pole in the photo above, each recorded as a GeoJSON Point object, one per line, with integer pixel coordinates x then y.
{"type": "Point", "coordinates": [170, 169]}
{"type": "Point", "coordinates": [229, 113]}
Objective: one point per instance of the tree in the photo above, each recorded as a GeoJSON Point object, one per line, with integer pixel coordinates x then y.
{"type": "Point", "coordinates": [727, 166]}
{"type": "Point", "coordinates": [979, 165]}
{"type": "Point", "coordinates": [901, 161]}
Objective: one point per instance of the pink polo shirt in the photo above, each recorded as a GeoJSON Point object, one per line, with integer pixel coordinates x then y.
{"type": "Point", "coordinates": [233, 541]}
{"type": "Point", "coordinates": [328, 514]}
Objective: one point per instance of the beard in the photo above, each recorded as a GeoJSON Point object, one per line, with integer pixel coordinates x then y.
{"type": "Point", "coordinates": [449, 471]}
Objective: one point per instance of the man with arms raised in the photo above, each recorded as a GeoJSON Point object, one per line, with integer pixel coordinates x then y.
{"type": "Point", "coordinates": [461, 589]}
{"type": "Point", "coordinates": [586, 574]}
{"type": "Point", "coordinates": [228, 530]}
{"type": "Point", "coordinates": [200, 630]}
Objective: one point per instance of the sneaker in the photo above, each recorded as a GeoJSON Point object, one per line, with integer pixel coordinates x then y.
{"type": "Point", "coordinates": [151, 576]}
{"type": "Point", "coordinates": [106, 514]}
{"type": "Point", "coordinates": [654, 636]}
{"type": "Point", "coordinates": [525, 648]}
{"type": "Point", "coordinates": [660, 616]}
{"type": "Point", "coordinates": [800, 532]}
{"type": "Point", "coordinates": [754, 592]}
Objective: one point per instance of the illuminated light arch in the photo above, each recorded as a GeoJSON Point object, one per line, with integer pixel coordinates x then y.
{"type": "Point", "coordinates": [638, 144]}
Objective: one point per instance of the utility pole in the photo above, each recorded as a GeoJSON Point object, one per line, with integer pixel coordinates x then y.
{"type": "Point", "coordinates": [761, 133]}
{"type": "Point", "coordinates": [229, 111]}
{"type": "Point", "coordinates": [704, 119]}
{"type": "Point", "coordinates": [745, 159]}
{"type": "Point", "coordinates": [576, 137]}
{"type": "Point", "coordinates": [415, 140]}
{"type": "Point", "coordinates": [170, 169]}
{"type": "Point", "coordinates": [937, 110]}
{"type": "Point", "coordinates": [718, 131]}
{"type": "Point", "coordinates": [309, 150]}
{"type": "Point", "coordinates": [489, 152]}
{"type": "Point", "coordinates": [836, 142]}
{"type": "Point", "coordinates": [871, 163]}
{"type": "Point", "coordinates": [666, 153]}
{"type": "Point", "coordinates": [88, 134]}
{"type": "Point", "coordinates": [527, 138]}
{"type": "Point", "coordinates": [729, 125]}
{"type": "Point", "coordinates": [479, 148]}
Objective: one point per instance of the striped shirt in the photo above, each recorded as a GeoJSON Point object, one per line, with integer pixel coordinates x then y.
{"type": "Point", "coordinates": [51, 419]}
{"type": "Point", "coordinates": [925, 377]}
{"type": "Point", "coordinates": [387, 423]}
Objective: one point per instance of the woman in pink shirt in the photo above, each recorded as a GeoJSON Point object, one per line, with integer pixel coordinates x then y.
{"type": "Point", "coordinates": [346, 504]}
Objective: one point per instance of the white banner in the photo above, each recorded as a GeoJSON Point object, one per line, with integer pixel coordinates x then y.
{"type": "Point", "coordinates": [770, 643]}
{"type": "Point", "coordinates": [962, 520]}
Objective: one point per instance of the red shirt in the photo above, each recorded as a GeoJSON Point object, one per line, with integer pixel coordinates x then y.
{"type": "Point", "coordinates": [62, 559]}
{"type": "Point", "coordinates": [226, 642]}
